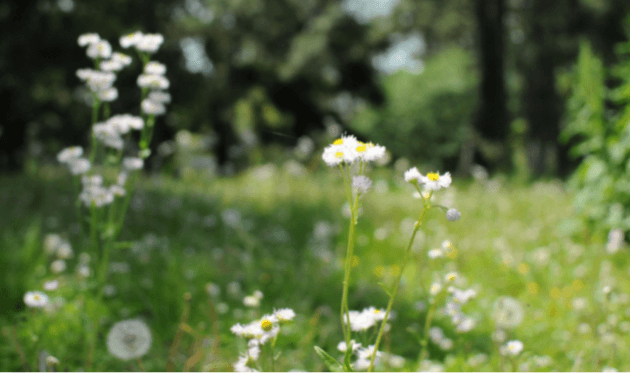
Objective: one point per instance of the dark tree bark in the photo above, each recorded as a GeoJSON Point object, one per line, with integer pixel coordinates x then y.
{"type": "Point", "coordinates": [492, 118]}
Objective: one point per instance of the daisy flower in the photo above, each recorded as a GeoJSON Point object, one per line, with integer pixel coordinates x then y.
{"type": "Point", "coordinates": [35, 299]}
{"type": "Point", "coordinates": [86, 39]}
{"type": "Point", "coordinates": [433, 181]}
{"type": "Point", "coordinates": [512, 348]}
{"type": "Point", "coordinates": [412, 175]}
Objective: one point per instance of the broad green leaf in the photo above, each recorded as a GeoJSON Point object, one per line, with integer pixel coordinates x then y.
{"type": "Point", "coordinates": [330, 361]}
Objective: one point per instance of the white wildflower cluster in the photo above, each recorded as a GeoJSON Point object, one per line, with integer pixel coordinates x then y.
{"type": "Point", "coordinates": [94, 192]}
{"type": "Point", "coordinates": [348, 149]}
{"type": "Point", "coordinates": [110, 132]}
{"type": "Point", "coordinates": [101, 81]}
{"type": "Point", "coordinates": [72, 158]}
{"type": "Point", "coordinates": [437, 336]}
{"type": "Point", "coordinates": [364, 320]}
{"type": "Point", "coordinates": [148, 43]}
{"type": "Point", "coordinates": [431, 182]}
{"type": "Point", "coordinates": [129, 339]}
{"type": "Point", "coordinates": [54, 244]}
{"type": "Point", "coordinates": [259, 332]}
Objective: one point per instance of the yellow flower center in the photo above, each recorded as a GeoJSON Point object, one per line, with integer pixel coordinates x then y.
{"type": "Point", "coordinates": [433, 176]}
{"type": "Point", "coordinates": [338, 154]}
{"type": "Point", "coordinates": [361, 148]}
{"type": "Point", "coordinates": [266, 325]}
{"type": "Point", "coordinates": [377, 311]}
{"type": "Point", "coordinates": [338, 142]}
{"type": "Point", "coordinates": [36, 297]}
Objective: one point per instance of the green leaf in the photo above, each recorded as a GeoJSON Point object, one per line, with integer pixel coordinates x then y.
{"type": "Point", "coordinates": [330, 361]}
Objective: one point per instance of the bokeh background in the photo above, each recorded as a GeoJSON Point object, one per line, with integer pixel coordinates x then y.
{"type": "Point", "coordinates": [525, 102]}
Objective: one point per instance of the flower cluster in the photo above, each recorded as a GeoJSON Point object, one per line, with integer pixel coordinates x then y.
{"type": "Point", "coordinates": [348, 149]}
{"type": "Point", "coordinates": [148, 43]}
{"type": "Point", "coordinates": [110, 132]}
{"type": "Point", "coordinates": [259, 332]}
{"type": "Point", "coordinates": [364, 320]}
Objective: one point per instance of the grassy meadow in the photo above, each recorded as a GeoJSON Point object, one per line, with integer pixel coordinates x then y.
{"type": "Point", "coordinates": [192, 249]}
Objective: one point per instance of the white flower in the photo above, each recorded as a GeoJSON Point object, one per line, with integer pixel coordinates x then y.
{"type": "Point", "coordinates": [120, 57]}
{"type": "Point", "coordinates": [372, 152]}
{"type": "Point", "coordinates": [52, 242]}
{"type": "Point", "coordinates": [512, 348]}
{"type": "Point", "coordinates": [466, 325]}
{"type": "Point", "coordinates": [51, 285]}
{"type": "Point", "coordinates": [152, 107]}
{"type": "Point", "coordinates": [129, 339]}
{"type": "Point", "coordinates": [79, 166]}
{"type": "Point", "coordinates": [451, 276]}
{"type": "Point", "coordinates": [333, 155]}
{"type": "Point", "coordinates": [256, 329]}
{"type": "Point", "coordinates": [108, 94]}
{"type": "Point", "coordinates": [149, 43]}
{"type": "Point", "coordinates": [365, 353]}
{"type": "Point", "coordinates": [123, 123]}
{"type": "Point", "coordinates": [68, 154]}
{"type": "Point", "coordinates": [159, 96]}
{"type": "Point", "coordinates": [100, 49]}
{"type": "Point", "coordinates": [433, 181]}
{"type": "Point", "coordinates": [435, 253]}
{"type": "Point", "coordinates": [462, 297]}
{"type": "Point", "coordinates": [342, 346]}
{"type": "Point", "coordinates": [127, 41]}
{"type": "Point", "coordinates": [361, 184]}
{"type": "Point", "coordinates": [96, 80]}
{"type": "Point", "coordinates": [86, 39]}
{"type": "Point", "coordinates": [153, 81]}
{"type": "Point", "coordinates": [436, 335]}
{"type": "Point", "coordinates": [359, 320]}
{"type": "Point", "coordinates": [436, 287]}
{"type": "Point", "coordinates": [241, 365]}
{"type": "Point", "coordinates": [446, 344]}
{"type": "Point", "coordinates": [35, 299]}
{"type": "Point", "coordinates": [284, 314]}
{"type": "Point", "coordinates": [83, 270]}
{"type": "Point", "coordinates": [508, 313]}
{"type": "Point", "coordinates": [343, 149]}
{"type": "Point", "coordinates": [154, 68]}
{"type": "Point", "coordinates": [58, 266]}
{"type": "Point", "coordinates": [251, 301]}
{"type": "Point", "coordinates": [64, 250]}
{"type": "Point", "coordinates": [453, 215]}
{"type": "Point", "coordinates": [108, 135]}
{"type": "Point", "coordinates": [412, 175]}
{"type": "Point", "coordinates": [133, 164]}
{"type": "Point", "coordinates": [615, 241]}
{"type": "Point", "coordinates": [111, 65]}
{"type": "Point", "coordinates": [117, 190]}
{"type": "Point", "coordinates": [258, 294]}
{"type": "Point", "coordinates": [213, 289]}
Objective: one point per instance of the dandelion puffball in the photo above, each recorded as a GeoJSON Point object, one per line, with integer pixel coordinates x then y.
{"type": "Point", "coordinates": [129, 339]}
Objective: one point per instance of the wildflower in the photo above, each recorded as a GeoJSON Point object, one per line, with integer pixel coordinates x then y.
{"type": "Point", "coordinates": [284, 314]}
{"type": "Point", "coordinates": [508, 312]}
{"type": "Point", "coordinates": [86, 39]}
{"type": "Point", "coordinates": [435, 253]}
{"type": "Point", "coordinates": [108, 95]}
{"type": "Point", "coordinates": [436, 335]}
{"type": "Point", "coordinates": [462, 297]}
{"type": "Point", "coordinates": [153, 81]}
{"type": "Point", "coordinates": [83, 270]}
{"type": "Point", "coordinates": [466, 325]}
{"type": "Point", "coordinates": [108, 135]}
{"type": "Point", "coordinates": [433, 181]}
{"type": "Point", "coordinates": [412, 175]}
{"type": "Point", "coordinates": [372, 152]}
{"type": "Point", "coordinates": [512, 348]}
{"type": "Point", "coordinates": [453, 215]}
{"type": "Point", "coordinates": [69, 154]}
{"type": "Point", "coordinates": [332, 156]}
{"type": "Point", "coordinates": [258, 294]}
{"type": "Point", "coordinates": [51, 285]}
{"type": "Point", "coordinates": [159, 96]}
{"type": "Point", "coordinates": [101, 49]}
{"type": "Point", "coordinates": [35, 299]}
{"type": "Point", "coordinates": [52, 242]}
{"type": "Point", "coordinates": [436, 287]}
{"type": "Point", "coordinates": [259, 330]}
{"type": "Point", "coordinates": [499, 336]}
{"type": "Point", "coordinates": [133, 164]}
{"type": "Point", "coordinates": [79, 166]}
{"type": "Point", "coordinates": [127, 41]}
{"type": "Point", "coordinates": [361, 183]}
{"type": "Point", "coordinates": [365, 353]}
{"type": "Point", "coordinates": [111, 65]}
{"type": "Point", "coordinates": [213, 289]}
{"type": "Point", "coordinates": [446, 344]}
{"type": "Point", "coordinates": [451, 276]}
{"type": "Point", "coordinates": [152, 107]}
{"type": "Point", "coordinates": [429, 366]}
{"type": "Point", "coordinates": [154, 68]}
{"type": "Point", "coordinates": [615, 241]}
{"type": "Point", "coordinates": [58, 266]}
{"type": "Point", "coordinates": [120, 57]}
{"type": "Point", "coordinates": [149, 43]}
{"type": "Point", "coordinates": [64, 250]}
{"type": "Point", "coordinates": [51, 361]}
{"type": "Point", "coordinates": [343, 149]}
{"type": "Point", "coordinates": [129, 339]}
{"type": "Point", "coordinates": [266, 325]}
{"type": "Point", "coordinates": [251, 301]}
{"type": "Point", "coordinates": [343, 348]}
{"type": "Point", "coordinates": [123, 123]}
{"type": "Point", "coordinates": [476, 360]}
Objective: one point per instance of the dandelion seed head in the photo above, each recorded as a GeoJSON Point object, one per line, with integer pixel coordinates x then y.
{"type": "Point", "coordinates": [129, 339]}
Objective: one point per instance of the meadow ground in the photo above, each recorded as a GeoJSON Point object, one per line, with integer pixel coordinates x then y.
{"type": "Point", "coordinates": [282, 231]}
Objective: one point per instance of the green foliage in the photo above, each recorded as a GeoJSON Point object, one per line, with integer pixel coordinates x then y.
{"type": "Point", "coordinates": [598, 118]}
{"type": "Point", "coordinates": [426, 114]}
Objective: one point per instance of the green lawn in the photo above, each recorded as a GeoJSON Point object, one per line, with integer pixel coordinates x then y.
{"type": "Point", "coordinates": [284, 234]}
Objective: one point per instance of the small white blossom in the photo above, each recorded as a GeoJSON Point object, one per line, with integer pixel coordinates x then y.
{"type": "Point", "coordinates": [361, 184]}
{"type": "Point", "coordinates": [108, 135]}
{"type": "Point", "coordinates": [615, 241]}
{"type": "Point", "coordinates": [435, 253]}
{"type": "Point", "coordinates": [153, 81]}
{"type": "Point", "coordinates": [123, 123]}
{"type": "Point", "coordinates": [111, 65]}
{"type": "Point", "coordinates": [108, 95]}
{"type": "Point", "coordinates": [101, 49]}
{"type": "Point", "coordinates": [149, 43]}
{"type": "Point", "coordinates": [159, 96]}
{"type": "Point", "coordinates": [35, 299]}
{"type": "Point", "coordinates": [435, 181]}
{"type": "Point", "coordinates": [154, 68]}
{"type": "Point", "coordinates": [129, 40]}
{"type": "Point", "coordinates": [51, 285]}
{"type": "Point", "coordinates": [512, 348]}
{"type": "Point", "coordinates": [122, 58]}
{"type": "Point", "coordinates": [251, 301]}
{"type": "Point", "coordinates": [64, 250]}
{"type": "Point", "coordinates": [68, 154]}
{"type": "Point", "coordinates": [466, 325]}
{"type": "Point", "coordinates": [284, 314]}
{"type": "Point", "coordinates": [508, 312]}
{"type": "Point", "coordinates": [342, 346]}
{"type": "Point", "coordinates": [86, 39]}
{"type": "Point", "coordinates": [133, 164]}
{"type": "Point", "coordinates": [412, 175]}
{"type": "Point", "coordinates": [152, 107]}
{"type": "Point", "coordinates": [58, 266]}
{"type": "Point", "coordinates": [79, 166]}
{"type": "Point", "coordinates": [436, 287]}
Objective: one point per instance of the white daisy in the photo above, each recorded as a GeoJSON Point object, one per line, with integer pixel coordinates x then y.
{"type": "Point", "coordinates": [433, 181]}
{"type": "Point", "coordinates": [128, 40]}
{"type": "Point", "coordinates": [69, 154]}
{"type": "Point", "coordinates": [152, 107]}
{"type": "Point", "coordinates": [133, 164]}
{"type": "Point", "coordinates": [512, 348]}
{"type": "Point", "coordinates": [154, 68]}
{"type": "Point", "coordinates": [412, 175]}
{"type": "Point", "coordinates": [51, 285]}
{"type": "Point", "coordinates": [86, 39]}
{"type": "Point", "coordinates": [129, 339]}
{"type": "Point", "coordinates": [284, 314]}
{"type": "Point", "coordinates": [35, 299]}
{"type": "Point", "coordinates": [149, 43]}
{"type": "Point", "coordinates": [101, 49]}
{"type": "Point", "coordinates": [342, 346]}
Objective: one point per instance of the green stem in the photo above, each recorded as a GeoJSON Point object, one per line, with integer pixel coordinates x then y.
{"type": "Point", "coordinates": [348, 269]}
{"type": "Point", "coordinates": [77, 191]}
{"type": "Point", "coordinates": [95, 106]}
{"type": "Point", "coordinates": [125, 205]}
{"type": "Point", "coordinates": [391, 299]}
{"type": "Point", "coordinates": [94, 230]}
{"type": "Point", "coordinates": [425, 340]}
